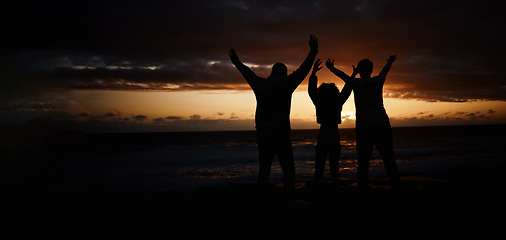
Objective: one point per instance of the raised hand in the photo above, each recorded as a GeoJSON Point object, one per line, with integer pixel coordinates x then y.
{"type": "Point", "coordinates": [233, 56]}
{"type": "Point", "coordinates": [329, 63]}
{"type": "Point", "coordinates": [355, 71]}
{"type": "Point", "coordinates": [313, 43]}
{"type": "Point", "coordinates": [392, 58]}
{"type": "Point", "coordinates": [316, 66]}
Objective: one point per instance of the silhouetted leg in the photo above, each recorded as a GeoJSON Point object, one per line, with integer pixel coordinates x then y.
{"type": "Point", "coordinates": [334, 157]}
{"type": "Point", "coordinates": [364, 152]}
{"type": "Point", "coordinates": [320, 158]}
{"type": "Point", "coordinates": [285, 157]}
{"type": "Point", "coordinates": [265, 157]}
{"type": "Point", "coordinates": [384, 144]}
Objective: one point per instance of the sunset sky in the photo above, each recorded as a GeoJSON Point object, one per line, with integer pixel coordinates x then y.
{"type": "Point", "coordinates": [163, 65]}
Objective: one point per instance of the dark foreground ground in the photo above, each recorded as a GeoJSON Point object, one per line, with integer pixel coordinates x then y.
{"type": "Point", "coordinates": [464, 201]}
{"type": "Point", "coordinates": [425, 207]}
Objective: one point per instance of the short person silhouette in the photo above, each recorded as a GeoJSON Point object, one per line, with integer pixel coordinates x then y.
{"type": "Point", "coordinates": [328, 102]}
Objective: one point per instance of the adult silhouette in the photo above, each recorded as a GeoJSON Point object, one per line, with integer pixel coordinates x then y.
{"type": "Point", "coordinates": [372, 122]}
{"type": "Point", "coordinates": [272, 116]}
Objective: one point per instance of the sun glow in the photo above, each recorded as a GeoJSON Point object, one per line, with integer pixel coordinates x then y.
{"type": "Point", "coordinates": [208, 108]}
{"type": "Point", "coordinates": [348, 115]}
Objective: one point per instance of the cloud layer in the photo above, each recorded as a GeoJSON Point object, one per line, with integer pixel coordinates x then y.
{"type": "Point", "coordinates": [119, 122]}
{"type": "Point", "coordinates": [447, 50]}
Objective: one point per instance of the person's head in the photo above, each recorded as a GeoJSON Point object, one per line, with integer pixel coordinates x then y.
{"type": "Point", "coordinates": [327, 90]}
{"type": "Point", "coordinates": [279, 70]}
{"type": "Point", "coordinates": [365, 67]}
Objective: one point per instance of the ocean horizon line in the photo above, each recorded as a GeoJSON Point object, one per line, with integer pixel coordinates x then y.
{"type": "Point", "coordinates": [301, 129]}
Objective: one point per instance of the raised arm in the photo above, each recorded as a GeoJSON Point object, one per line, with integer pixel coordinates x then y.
{"type": "Point", "coordinates": [348, 87]}
{"type": "Point", "coordinates": [337, 72]}
{"type": "Point", "coordinates": [313, 81]}
{"type": "Point", "coordinates": [245, 70]}
{"type": "Point", "coordinates": [383, 74]}
{"type": "Point", "coordinates": [298, 75]}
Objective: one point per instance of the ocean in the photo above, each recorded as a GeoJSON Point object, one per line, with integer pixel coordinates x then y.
{"type": "Point", "coordinates": [186, 161]}
{"type": "Point", "coordinates": [70, 184]}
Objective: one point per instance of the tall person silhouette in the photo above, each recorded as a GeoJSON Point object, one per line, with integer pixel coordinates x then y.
{"type": "Point", "coordinates": [372, 122]}
{"type": "Point", "coordinates": [272, 116]}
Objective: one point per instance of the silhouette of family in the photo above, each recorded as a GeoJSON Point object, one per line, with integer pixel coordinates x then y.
{"type": "Point", "coordinates": [272, 117]}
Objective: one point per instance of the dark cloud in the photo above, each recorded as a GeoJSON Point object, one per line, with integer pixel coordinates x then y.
{"type": "Point", "coordinates": [447, 50]}
{"type": "Point", "coordinates": [140, 117]}
{"type": "Point", "coordinates": [81, 115]}
{"type": "Point", "coordinates": [25, 104]}
{"type": "Point", "coordinates": [173, 118]}
{"type": "Point", "coordinates": [233, 116]}
{"type": "Point", "coordinates": [54, 119]}
{"type": "Point", "coordinates": [61, 120]}
{"type": "Point", "coordinates": [195, 117]}
{"type": "Point", "coordinates": [111, 114]}
{"type": "Point", "coordinates": [463, 117]}
{"type": "Point", "coordinates": [108, 115]}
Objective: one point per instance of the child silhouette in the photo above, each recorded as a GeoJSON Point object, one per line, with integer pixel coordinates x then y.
{"type": "Point", "coordinates": [329, 103]}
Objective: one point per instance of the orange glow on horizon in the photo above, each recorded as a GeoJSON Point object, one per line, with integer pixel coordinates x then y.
{"type": "Point", "coordinates": [240, 106]}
